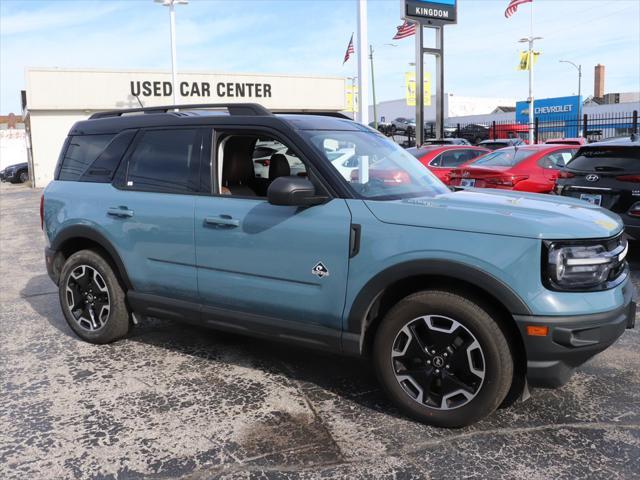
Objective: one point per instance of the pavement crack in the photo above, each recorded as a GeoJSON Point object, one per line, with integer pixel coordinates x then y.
{"type": "Point", "coordinates": [38, 294]}
{"type": "Point", "coordinates": [513, 431]}
{"type": "Point", "coordinates": [316, 415]}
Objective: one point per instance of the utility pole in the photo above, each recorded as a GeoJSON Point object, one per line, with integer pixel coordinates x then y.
{"type": "Point", "coordinates": [363, 71]}
{"type": "Point", "coordinates": [373, 90]}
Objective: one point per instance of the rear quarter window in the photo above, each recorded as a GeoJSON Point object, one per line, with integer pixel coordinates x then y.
{"type": "Point", "coordinates": [81, 152]}
{"type": "Point", "coordinates": [603, 159]}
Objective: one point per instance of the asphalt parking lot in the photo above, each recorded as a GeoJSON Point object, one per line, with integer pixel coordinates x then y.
{"type": "Point", "coordinates": [175, 401]}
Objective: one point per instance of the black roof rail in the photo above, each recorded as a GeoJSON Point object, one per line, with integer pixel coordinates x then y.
{"type": "Point", "coordinates": [239, 109]}
{"type": "Point", "coordinates": [320, 113]}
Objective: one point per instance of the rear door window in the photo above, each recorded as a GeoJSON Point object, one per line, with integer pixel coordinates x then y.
{"type": "Point", "coordinates": [81, 152]}
{"type": "Point", "coordinates": [166, 161]}
{"type": "Point", "coordinates": [607, 159]}
{"type": "Point", "coordinates": [503, 158]}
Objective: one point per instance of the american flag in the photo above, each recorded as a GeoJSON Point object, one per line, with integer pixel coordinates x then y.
{"type": "Point", "coordinates": [405, 30]}
{"type": "Point", "coordinates": [349, 51]}
{"type": "Point", "coordinates": [513, 7]}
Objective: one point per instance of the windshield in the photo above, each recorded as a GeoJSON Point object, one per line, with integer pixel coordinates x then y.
{"type": "Point", "coordinates": [378, 168]}
{"type": "Point", "coordinates": [506, 157]}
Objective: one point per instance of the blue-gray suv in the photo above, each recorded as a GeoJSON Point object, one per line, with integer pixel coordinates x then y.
{"type": "Point", "coordinates": [318, 231]}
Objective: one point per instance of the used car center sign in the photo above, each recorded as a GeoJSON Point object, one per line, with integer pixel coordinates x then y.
{"type": "Point", "coordinates": [431, 12]}
{"type": "Point", "coordinates": [89, 90]}
{"type": "Point", "coordinates": [245, 90]}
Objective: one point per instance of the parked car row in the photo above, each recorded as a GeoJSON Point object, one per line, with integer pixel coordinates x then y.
{"type": "Point", "coordinates": [18, 173]}
{"type": "Point", "coordinates": [606, 174]}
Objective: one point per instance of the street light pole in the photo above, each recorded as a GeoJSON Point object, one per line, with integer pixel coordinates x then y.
{"type": "Point", "coordinates": [373, 90]}
{"type": "Point", "coordinates": [172, 20]}
{"type": "Point", "coordinates": [579, 68]}
{"type": "Point", "coordinates": [530, 40]}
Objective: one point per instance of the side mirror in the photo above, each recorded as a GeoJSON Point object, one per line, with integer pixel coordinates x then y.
{"type": "Point", "coordinates": [293, 191]}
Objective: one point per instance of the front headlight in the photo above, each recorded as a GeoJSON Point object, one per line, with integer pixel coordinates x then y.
{"type": "Point", "coordinates": [585, 265]}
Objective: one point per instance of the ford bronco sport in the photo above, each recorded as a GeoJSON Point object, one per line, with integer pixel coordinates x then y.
{"type": "Point", "coordinates": [461, 300]}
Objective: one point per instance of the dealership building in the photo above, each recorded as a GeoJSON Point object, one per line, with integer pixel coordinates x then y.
{"type": "Point", "coordinates": [55, 99]}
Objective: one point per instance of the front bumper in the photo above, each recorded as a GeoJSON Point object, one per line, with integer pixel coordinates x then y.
{"type": "Point", "coordinates": [572, 340]}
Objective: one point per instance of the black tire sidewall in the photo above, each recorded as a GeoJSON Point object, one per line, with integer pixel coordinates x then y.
{"type": "Point", "coordinates": [23, 179]}
{"type": "Point", "coordinates": [117, 324]}
{"type": "Point", "coordinates": [498, 361]}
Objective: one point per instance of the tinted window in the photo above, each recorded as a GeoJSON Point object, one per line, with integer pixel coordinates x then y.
{"type": "Point", "coordinates": [165, 160]}
{"type": "Point", "coordinates": [455, 158]}
{"type": "Point", "coordinates": [503, 158]}
{"type": "Point", "coordinates": [103, 168]}
{"type": "Point", "coordinates": [603, 159]}
{"type": "Point", "coordinates": [80, 154]}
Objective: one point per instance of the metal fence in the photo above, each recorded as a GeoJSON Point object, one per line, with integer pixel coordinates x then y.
{"type": "Point", "coordinates": [592, 127]}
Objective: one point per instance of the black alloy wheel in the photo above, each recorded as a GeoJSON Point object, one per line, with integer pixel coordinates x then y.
{"type": "Point", "coordinates": [438, 362]}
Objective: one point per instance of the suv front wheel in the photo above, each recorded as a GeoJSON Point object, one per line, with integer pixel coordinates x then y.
{"type": "Point", "coordinates": [443, 359]}
{"type": "Point", "coordinates": [92, 299]}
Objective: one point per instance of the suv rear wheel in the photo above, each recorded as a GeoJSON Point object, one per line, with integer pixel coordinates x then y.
{"type": "Point", "coordinates": [92, 299]}
{"type": "Point", "coordinates": [442, 359]}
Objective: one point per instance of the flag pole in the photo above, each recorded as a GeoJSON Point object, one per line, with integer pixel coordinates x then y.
{"type": "Point", "coordinates": [363, 71]}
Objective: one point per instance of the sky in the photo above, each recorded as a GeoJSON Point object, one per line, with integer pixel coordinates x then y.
{"type": "Point", "coordinates": [311, 36]}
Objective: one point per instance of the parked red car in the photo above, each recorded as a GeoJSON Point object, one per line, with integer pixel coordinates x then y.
{"type": "Point", "coordinates": [441, 159]}
{"type": "Point", "coordinates": [529, 168]}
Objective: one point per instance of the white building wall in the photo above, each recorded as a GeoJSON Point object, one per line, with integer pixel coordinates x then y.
{"type": "Point", "coordinates": [454, 106]}
{"type": "Point", "coordinates": [57, 98]}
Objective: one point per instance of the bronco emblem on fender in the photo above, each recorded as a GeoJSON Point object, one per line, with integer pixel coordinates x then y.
{"type": "Point", "coordinates": [320, 270]}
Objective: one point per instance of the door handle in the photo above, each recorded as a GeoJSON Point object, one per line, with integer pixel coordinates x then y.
{"type": "Point", "coordinates": [222, 220]}
{"type": "Point", "coordinates": [120, 212]}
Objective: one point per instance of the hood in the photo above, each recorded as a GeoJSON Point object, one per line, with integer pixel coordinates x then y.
{"type": "Point", "coordinates": [516, 214]}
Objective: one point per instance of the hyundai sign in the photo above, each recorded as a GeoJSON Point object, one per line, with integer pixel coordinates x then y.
{"type": "Point", "coordinates": [431, 12]}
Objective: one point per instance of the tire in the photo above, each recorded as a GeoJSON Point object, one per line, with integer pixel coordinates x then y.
{"type": "Point", "coordinates": [79, 284]}
{"type": "Point", "coordinates": [23, 177]}
{"type": "Point", "coordinates": [393, 130]}
{"type": "Point", "coordinates": [475, 362]}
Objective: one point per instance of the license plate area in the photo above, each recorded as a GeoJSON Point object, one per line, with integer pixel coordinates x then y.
{"type": "Point", "coordinates": [592, 198]}
{"type": "Point", "coordinates": [468, 182]}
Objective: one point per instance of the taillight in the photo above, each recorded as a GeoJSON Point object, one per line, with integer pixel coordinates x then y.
{"type": "Point", "coordinates": [629, 178]}
{"type": "Point", "coordinates": [634, 211]}
{"type": "Point", "coordinates": [506, 181]}
{"type": "Point", "coordinates": [42, 211]}
{"type": "Point", "coordinates": [565, 174]}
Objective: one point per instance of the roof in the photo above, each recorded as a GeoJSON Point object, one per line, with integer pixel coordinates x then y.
{"type": "Point", "coordinates": [631, 141]}
{"type": "Point", "coordinates": [214, 114]}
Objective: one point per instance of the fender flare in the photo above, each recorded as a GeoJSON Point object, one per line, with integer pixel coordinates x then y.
{"type": "Point", "coordinates": [89, 233]}
{"type": "Point", "coordinates": [444, 268]}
